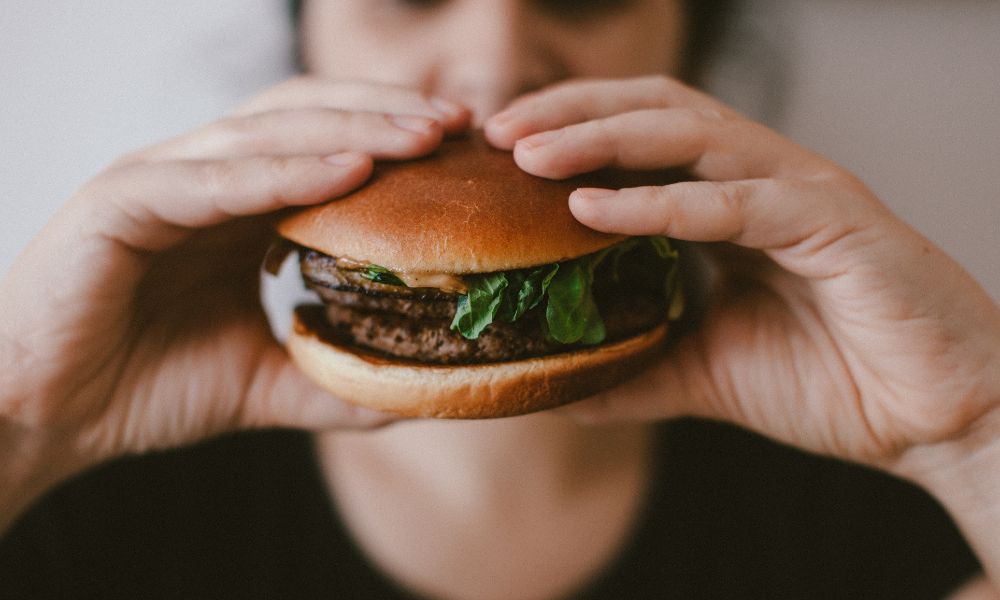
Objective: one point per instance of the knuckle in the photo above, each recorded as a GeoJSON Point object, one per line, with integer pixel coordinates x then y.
{"type": "Point", "coordinates": [833, 181]}
{"type": "Point", "coordinates": [217, 176]}
{"type": "Point", "coordinates": [689, 118]}
{"type": "Point", "coordinates": [731, 196]}
{"type": "Point", "coordinates": [605, 137]}
{"type": "Point", "coordinates": [663, 85]}
{"type": "Point", "coordinates": [825, 174]}
{"type": "Point", "coordinates": [665, 196]}
{"type": "Point", "coordinates": [325, 116]}
{"type": "Point", "coordinates": [830, 175]}
{"type": "Point", "coordinates": [91, 190]}
{"type": "Point", "coordinates": [690, 127]}
{"type": "Point", "coordinates": [233, 131]}
{"type": "Point", "coordinates": [284, 168]}
{"type": "Point", "coordinates": [727, 203]}
{"type": "Point", "coordinates": [712, 114]}
{"type": "Point", "coordinates": [109, 182]}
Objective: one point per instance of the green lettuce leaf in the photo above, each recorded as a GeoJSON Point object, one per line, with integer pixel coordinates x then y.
{"type": "Point", "coordinates": [478, 308]}
{"type": "Point", "coordinates": [565, 289]}
{"type": "Point", "coordinates": [533, 289]}
{"type": "Point", "coordinates": [662, 247]}
{"type": "Point", "coordinates": [571, 312]}
{"type": "Point", "coordinates": [508, 300]}
{"type": "Point", "coordinates": [382, 275]}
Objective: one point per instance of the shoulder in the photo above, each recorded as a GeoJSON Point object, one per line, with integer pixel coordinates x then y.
{"type": "Point", "coordinates": [172, 517]}
{"type": "Point", "coordinates": [735, 513]}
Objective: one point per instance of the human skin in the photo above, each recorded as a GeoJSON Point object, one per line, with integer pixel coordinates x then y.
{"type": "Point", "coordinates": [131, 322]}
{"type": "Point", "coordinates": [485, 53]}
{"type": "Point", "coordinates": [841, 331]}
{"type": "Point", "coordinates": [835, 327]}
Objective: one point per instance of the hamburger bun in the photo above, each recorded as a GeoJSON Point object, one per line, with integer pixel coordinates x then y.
{"type": "Point", "coordinates": [477, 391]}
{"type": "Point", "coordinates": [467, 209]}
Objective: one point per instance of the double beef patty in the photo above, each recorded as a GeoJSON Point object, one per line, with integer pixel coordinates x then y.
{"type": "Point", "coordinates": [415, 323]}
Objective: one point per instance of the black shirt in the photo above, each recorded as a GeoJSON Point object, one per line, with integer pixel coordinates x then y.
{"type": "Point", "coordinates": [732, 515]}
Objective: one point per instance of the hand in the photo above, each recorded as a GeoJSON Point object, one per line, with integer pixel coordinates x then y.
{"type": "Point", "coordinates": [133, 322]}
{"type": "Point", "coordinates": [835, 327]}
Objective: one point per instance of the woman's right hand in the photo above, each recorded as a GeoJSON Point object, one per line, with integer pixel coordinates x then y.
{"type": "Point", "coordinates": [133, 322]}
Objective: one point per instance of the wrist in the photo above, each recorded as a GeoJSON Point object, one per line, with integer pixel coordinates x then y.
{"type": "Point", "coordinates": [33, 457]}
{"type": "Point", "coordinates": [966, 463]}
{"type": "Point", "coordinates": [963, 474]}
{"type": "Point", "coordinates": [29, 467]}
{"type": "Point", "coordinates": [35, 454]}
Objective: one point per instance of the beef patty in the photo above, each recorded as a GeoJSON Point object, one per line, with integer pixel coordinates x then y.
{"type": "Point", "coordinates": [415, 323]}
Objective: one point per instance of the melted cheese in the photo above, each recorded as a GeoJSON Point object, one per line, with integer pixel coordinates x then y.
{"type": "Point", "coordinates": [442, 281]}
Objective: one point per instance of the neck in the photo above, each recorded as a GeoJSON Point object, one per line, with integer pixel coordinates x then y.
{"type": "Point", "coordinates": [434, 503]}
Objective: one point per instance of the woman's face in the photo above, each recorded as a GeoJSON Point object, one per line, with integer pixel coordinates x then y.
{"type": "Point", "coordinates": [486, 52]}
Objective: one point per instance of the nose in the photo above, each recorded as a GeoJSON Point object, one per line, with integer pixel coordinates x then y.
{"type": "Point", "coordinates": [499, 52]}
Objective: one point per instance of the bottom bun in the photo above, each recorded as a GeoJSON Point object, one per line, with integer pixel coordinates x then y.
{"type": "Point", "coordinates": [476, 391]}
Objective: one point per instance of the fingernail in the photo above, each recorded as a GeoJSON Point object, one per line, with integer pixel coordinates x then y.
{"type": "Point", "coordinates": [541, 139]}
{"type": "Point", "coordinates": [419, 125]}
{"type": "Point", "coordinates": [447, 107]}
{"type": "Point", "coordinates": [594, 193]}
{"type": "Point", "coordinates": [342, 159]}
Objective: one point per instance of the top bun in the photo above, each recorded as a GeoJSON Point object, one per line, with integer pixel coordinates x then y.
{"type": "Point", "coordinates": [467, 208]}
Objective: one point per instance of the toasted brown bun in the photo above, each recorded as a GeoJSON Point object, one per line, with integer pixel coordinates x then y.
{"type": "Point", "coordinates": [468, 391]}
{"type": "Point", "coordinates": [467, 208]}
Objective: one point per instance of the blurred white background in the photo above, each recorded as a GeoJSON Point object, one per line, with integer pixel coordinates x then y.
{"type": "Point", "coordinates": [906, 93]}
{"type": "Point", "coordinates": [84, 81]}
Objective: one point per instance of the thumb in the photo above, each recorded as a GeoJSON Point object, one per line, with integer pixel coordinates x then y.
{"type": "Point", "coordinates": [678, 385]}
{"type": "Point", "coordinates": [281, 396]}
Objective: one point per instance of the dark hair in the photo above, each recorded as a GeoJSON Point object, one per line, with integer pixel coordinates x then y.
{"type": "Point", "coordinates": [296, 10]}
{"type": "Point", "coordinates": [707, 19]}
{"type": "Point", "coordinates": [707, 22]}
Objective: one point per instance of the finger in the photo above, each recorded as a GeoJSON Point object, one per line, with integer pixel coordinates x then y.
{"type": "Point", "coordinates": [281, 396]}
{"type": "Point", "coordinates": [310, 92]}
{"type": "Point", "coordinates": [717, 372]}
{"type": "Point", "coordinates": [148, 207]}
{"type": "Point", "coordinates": [104, 238]}
{"type": "Point", "coordinates": [671, 388]}
{"type": "Point", "coordinates": [579, 101]}
{"type": "Point", "coordinates": [799, 222]}
{"type": "Point", "coordinates": [710, 147]}
{"type": "Point", "coordinates": [713, 373]}
{"type": "Point", "coordinates": [315, 131]}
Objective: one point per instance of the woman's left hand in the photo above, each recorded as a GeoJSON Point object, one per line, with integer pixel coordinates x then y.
{"type": "Point", "coordinates": [835, 327]}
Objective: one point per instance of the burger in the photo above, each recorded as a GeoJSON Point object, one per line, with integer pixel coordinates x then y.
{"type": "Point", "coordinates": [459, 286]}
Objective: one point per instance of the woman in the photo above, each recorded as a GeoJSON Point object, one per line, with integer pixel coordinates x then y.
{"type": "Point", "coordinates": [836, 330]}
